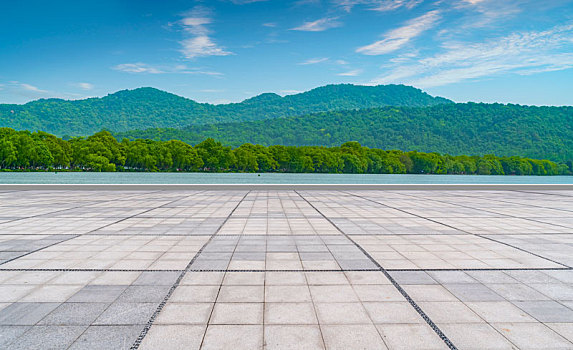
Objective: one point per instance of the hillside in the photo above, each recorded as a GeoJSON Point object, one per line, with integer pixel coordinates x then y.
{"type": "Point", "coordinates": [503, 130]}
{"type": "Point", "coordinates": [151, 108]}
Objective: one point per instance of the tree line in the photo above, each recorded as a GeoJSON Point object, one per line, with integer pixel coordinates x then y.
{"type": "Point", "coordinates": [40, 151]}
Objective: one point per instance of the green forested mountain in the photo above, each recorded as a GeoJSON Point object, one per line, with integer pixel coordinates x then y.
{"type": "Point", "coordinates": [503, 130]}
{"type": "Point", "coordinates": [151, 108]}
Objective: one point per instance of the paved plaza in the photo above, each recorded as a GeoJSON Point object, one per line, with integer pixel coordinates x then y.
{"type": "Point", "coordinates": [305, 269]}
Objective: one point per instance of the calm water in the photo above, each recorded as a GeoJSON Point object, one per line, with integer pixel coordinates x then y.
{"type": "Point", "coordinates": [231, 178]}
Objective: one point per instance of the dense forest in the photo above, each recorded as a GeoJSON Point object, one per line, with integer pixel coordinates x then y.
{"type": "Point", "coordinates": [40, 151]}
{"type": "Point", "coordinates": [151, 108]}
{"type": "Point", "coordinates": [469, 128]}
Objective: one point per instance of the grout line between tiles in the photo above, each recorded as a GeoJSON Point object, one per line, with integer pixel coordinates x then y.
{"type": "Point", "coordinates": [411, 301]}
{"type": "Point", "coordinates": [458, 229]}
{"type": "Point", "coordinates": [147, 327]}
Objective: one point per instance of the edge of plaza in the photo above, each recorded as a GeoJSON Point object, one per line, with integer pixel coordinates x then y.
{"type": "Point", "coordinates": [276, 187]}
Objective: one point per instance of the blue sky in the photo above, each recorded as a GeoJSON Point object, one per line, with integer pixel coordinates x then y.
{"type": "Point", "coordinates": [518, 51]}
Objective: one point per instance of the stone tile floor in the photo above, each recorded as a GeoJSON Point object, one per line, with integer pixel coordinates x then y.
{"type": "Point", "coordinates": [286, 270]}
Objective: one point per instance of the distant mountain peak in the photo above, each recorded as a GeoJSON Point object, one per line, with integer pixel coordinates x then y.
{"type": "Point", "coordinates": [264, 97]}
{"type": "Point", "coordinates": [142, 91]}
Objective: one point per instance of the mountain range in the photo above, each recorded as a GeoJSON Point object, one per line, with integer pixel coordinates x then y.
{"type": "Point", "coordinates": [386, 116]}
{"type": "Point", "coordinates": [152, 108]}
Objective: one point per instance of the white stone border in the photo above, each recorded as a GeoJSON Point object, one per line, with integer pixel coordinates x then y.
{"type": "Point", "coordinates": [285, 187]}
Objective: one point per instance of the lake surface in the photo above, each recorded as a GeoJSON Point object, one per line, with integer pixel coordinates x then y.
{"type": "Point", "coordinates": [269, 178]}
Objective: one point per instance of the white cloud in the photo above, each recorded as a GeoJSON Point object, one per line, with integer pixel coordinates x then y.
{"type": "Point", "coordinates": [397, 38]}
{"type": "Point", "coordinates": [32, 88]}
{"type": "Point", "coordinates": [222, 101]}
{"type": "Point", "coordinates": [521, 53]}
{"type": "Point", "coordinates": [319, 25]}
{"type": "Point", "coordinates": [244, 2]}
{"type": "Point", "coordinates": [202, 72]}
{"type": "Point", "coordinates": [150, 69]}
{"type": "Point", "coordinates": [270, 24]}
{"type": "Point", "coordinates": [31, 92]}
{"type": "Point", "coordinates": [290, 92]}
{"type": "Point", "coordinates": [484, 13]}
{"type": "Point", "coordinates": [84, 86]}
{"type": "Point", "coordinates": [352, 73]}
{"type": "Point", "coordinates": [195, 25]}
{"type": "Point", "coordinates": [194, 22]}
{"type": "Point", "coordinates": [342, 62]}
{"type": "Point", "coordinates": [314, 61]}
{"type": "Point", "coordinates": [396, 4]}
{"type": "Point", "coordinates": [378, 5]}
{"type": "Point", "coordinates": [137, 68]}
{"type": "Point", "coordinates": [201, 46]}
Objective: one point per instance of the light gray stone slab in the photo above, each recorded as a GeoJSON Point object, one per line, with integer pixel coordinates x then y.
{"type": "Point", "coordinates": [107, 337]}
{"type": "Point", "coordinates": [97, 294]}
{"type": "Point", "coordinates": [412, 277]}
{"type": "Point", "coordinates": [546, 311]}
{"type": "Point", "coordinates": [22, 314]}
{"type": "Point", "coordinates": [473, 292]}
{"type": "Point", "coordinates": [239, 337]}
{"type": "Point", "coordinates": [74, 314]}
{"type": "Point", "coordinates": [148, 278]}
{"type": "Point", "coordinates": [48, 337]}
{"type": "Point", "coordinates": [127, 314]}
{"type": "Point", "coordinates": [301, 337]}
{"type": "Point", "coordinates": [9, 333]}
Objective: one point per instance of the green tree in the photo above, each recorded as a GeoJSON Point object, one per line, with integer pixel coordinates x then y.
{"type": "Point", "coordinates": [184, 157]}
{"type": "Point", "coordinates": [8, 154]}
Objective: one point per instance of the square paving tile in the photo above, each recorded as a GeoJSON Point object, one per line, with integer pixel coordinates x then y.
{"type": "Point", "coordinates": [107, 337]}
{"type": "Point", "coordinates": [48, 337]}
{"type": "Point", "coordinates": [180, 337]}
{"type": "Point", "coordinates": [237, 313]}
{"type": "Point", "coordinates": [293, 337]}
{"type": "Point", "coordinates": [352, 337]}
{"type": "Point", "coordinates": [233, 337]}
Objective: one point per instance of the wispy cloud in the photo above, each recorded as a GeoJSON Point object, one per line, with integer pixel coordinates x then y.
{"type": "Point", "coordinates": [391, 5]}
{"type": "Point", "coordinates": [313, 61]}
{"type": "Point", "coordinates": [290, 92]}
{"type": "Point", "coordinates": [319, 25]}
{"type": "Point", "coordinates": [84, 86]}
{"type": "Point", "coordinates": [519, 53]}
{"type": "Point", "coordinates": [32, 88]}
{"type": "Point", "coordinates": [137, 68]}
{"type": "Point", "coordinates": [32, 92]}
{"type": "Point", "coordinates": [270, 24]}
{"type": "Point", "coordinates": [378, 5]}
{"type": "Point", "coordinates": [483, 13]}
{"type": "Point", "coordinates": [244, 2]}
{"type": "Point", "coordinates": [397, 38]}
{"type": "Point", "coordinates": [162, 69]}
{"type": "Point", "coordinates": [352, 73]}
{"type": "Point", "coordinates": [200, 44]}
